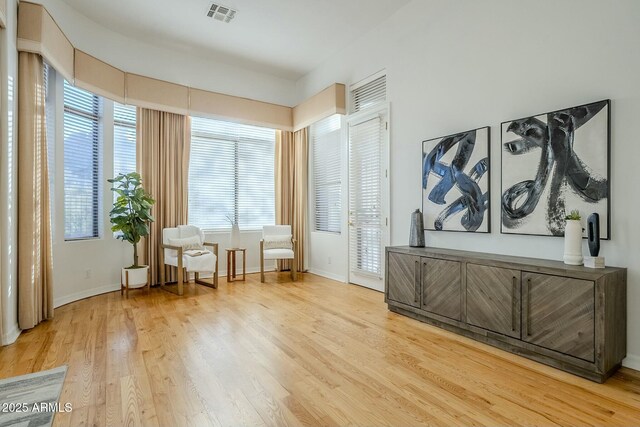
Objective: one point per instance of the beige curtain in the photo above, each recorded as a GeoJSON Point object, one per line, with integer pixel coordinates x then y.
{"type": "Point", "coordinates": [291, 170]}
{"type": "Point", "coordinates": [35, 263]}
{"type": "Point", "coordinates": [163, 143]}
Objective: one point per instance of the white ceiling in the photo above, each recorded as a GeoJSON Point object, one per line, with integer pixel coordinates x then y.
{"type": "Point", "coordinates": [287, 38]}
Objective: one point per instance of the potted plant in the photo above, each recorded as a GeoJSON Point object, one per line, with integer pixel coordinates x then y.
{"type": "Point", "coordinates": [130, 219]}
{"type": "Point", "coordinates": [573, 239]}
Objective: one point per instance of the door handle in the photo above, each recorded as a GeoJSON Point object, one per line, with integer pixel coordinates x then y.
{"type": "Point", "coordinates": [416, 281]}
{"type": "Point", "coordinates": [529, 306]}
{"type": "Point", "coordinates": [513, 303]}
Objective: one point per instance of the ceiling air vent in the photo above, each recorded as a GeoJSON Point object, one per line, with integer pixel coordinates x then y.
{"type": "Point", "coordinates": [221, 13]}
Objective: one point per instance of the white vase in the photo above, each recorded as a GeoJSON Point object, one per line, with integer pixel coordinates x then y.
{"type": "Point", "coordinates": [234, 241]}
{"type": "Point", "coordinates": [573, 242]}
{"type": "Point", "coordinates": [137, 276]}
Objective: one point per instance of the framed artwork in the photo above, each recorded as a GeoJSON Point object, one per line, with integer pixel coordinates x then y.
{"type": "Point", "coordinates": [554, 163]}
{"type": "Point", "coordinates": [456, 181]}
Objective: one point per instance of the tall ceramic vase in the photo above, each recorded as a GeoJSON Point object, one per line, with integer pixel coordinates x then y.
{"type": "Point", "coordinates": [234, 241]}
{"type": "Point", "coordinates": [573, 242]}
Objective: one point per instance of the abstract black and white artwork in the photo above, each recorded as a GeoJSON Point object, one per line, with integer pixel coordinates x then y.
{"type": "Point", "coordinates": [455, 182]}
{"type": "Point", "coordinates": [552, 164]}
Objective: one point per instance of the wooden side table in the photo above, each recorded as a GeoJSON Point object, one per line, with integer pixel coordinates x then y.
{"type": "Point", "coordinates": [231, 264]}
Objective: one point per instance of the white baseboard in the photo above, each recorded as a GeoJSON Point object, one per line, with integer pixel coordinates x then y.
{"type": "Point", "coordinates": [328, 275]}
{"type": "Point", "coordinates": [11, 336]}
{"type": "Point", "coordinates": [66, 299]}
{"type": "Point", "coordinates": [632, 361]}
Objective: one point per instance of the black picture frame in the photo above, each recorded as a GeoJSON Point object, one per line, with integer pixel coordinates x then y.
{"type": "Point", "coordinates": [486, 176]}
{"type": "Point", "coordinates": [608, 165]}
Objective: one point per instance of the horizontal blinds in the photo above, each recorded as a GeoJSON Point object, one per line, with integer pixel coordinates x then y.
{"type": "Point", "coordinates": [369, 94]}
{"type": "Point", "coordinates": [231, 175]}
{"type": "Point", "coordinates": [82, 187]}
{"type": "Point", "coordinates": [50, 121]}
{"type": "Point", "coordinates": [124, 138]}
{"type": "Point", "coordinates": [327, 185]}
{"type": "Point", "coordinates": [365, 196]}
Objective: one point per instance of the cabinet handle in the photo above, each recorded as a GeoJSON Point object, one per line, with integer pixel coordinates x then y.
{"type": "Point", "coordinates": [529, 306]}
{"type": "Point", "coordinates": [513, 303]}
{"type": "Point", "coordinates": [416, 281]}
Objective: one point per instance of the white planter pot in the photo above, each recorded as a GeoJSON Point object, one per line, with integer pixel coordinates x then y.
{"type": "Point", "coordinates": [137, 276]}
{"type": "Point", "coordinates": [234, 240]}
{"type": "Point", "coordinates": [573, 243]}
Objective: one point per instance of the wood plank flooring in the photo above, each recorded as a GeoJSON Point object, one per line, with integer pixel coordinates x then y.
{"type": "Point", "coordinates": [314, 353]}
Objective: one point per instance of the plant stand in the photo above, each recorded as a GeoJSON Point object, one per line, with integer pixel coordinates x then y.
{"type": "Point", "coordinates": [126, 281]}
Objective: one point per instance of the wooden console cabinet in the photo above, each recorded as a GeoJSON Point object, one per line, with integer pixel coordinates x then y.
{"type": "Point", "coordinates": [570, 317]}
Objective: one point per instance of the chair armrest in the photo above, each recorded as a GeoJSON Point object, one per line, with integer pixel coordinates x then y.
{"type": "Point", "coordinates": [175, 248]}
{"type": "Point", "coordinates": [213, 245]}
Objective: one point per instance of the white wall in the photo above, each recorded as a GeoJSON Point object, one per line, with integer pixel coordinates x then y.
{"type": "Point", "coordinates": [8, 177]}
{"type": "Point", "coordinates": [168, 64]}
{"type": "Point", "coordinates": [456, 65]}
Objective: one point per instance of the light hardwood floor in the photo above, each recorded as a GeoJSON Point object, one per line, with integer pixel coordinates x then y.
{"type": "Point", "coordinates": [315, 352]}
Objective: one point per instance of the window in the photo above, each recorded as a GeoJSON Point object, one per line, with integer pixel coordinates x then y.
{"type": "Point", "coordinates": [50, 121]}
{"type": "Point", "coordinates": [368, 93]}
{"type": "Point", "coordinates": [326, 167]}
{"type": "Point", "coordinates": [124, 138]}
{"type": "Point", "coordinates": [231, 175]}
{"type": "Point", "coordinates": [82, 163]}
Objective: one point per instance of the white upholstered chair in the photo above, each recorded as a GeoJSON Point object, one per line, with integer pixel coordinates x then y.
{"type": "Point", "coordinates": [179, 245]}
{"type": "Point", "coordinates": [277, 243]}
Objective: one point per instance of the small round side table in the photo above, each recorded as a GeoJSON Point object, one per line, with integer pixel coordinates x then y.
{"type": "Point", "coordinates": [231, 264]}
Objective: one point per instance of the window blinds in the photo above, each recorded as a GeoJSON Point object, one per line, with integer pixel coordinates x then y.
{"type": "Point", "coordinates": [124, 138]}
{"type": "Point", "coordinates": [82, 163]}
{"type": "Point", "coordinates": [50, 121]}
{"type": "Point", "coordinates": [365, 195]}
{"type": "Point", "coordinates": [231, 175]}
{"type": "Point", "coordinates": [369, 94]}
{"type": "Point", "coordinates": [327, 185]}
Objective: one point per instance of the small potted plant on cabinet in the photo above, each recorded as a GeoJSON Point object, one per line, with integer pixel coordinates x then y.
{"type": "Point", "coordinates": [130, 219]}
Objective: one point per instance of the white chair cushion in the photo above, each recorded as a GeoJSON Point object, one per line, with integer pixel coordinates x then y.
{"type": "Point", "coordinates": [190, 231]}
{"type": "Point", "coordinates": [202, 263]}
{"type": "Point", "coordinates": [278, 242]}
{"type": "Point", "coordinates": [276, 230]}
{"type": "Point", "coordinates": [186, 243]}
{"type": "Point", "coordinates": [278, 254]}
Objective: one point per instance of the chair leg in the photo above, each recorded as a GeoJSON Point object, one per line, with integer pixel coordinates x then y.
{"type": "Point", "coordinates": [180, 277]}
{"type": "Point", "coordinates": [215, 272]}
{"type": "Point", "coordinates": [294, 262]}
{"type": "Point", "coordinates": [261, 261]}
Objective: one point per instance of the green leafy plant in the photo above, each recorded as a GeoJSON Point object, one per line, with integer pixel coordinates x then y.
{"type": "Point", "coordinates": [574, 215]}
{"type": "Point", "coordinates": [131, 213]}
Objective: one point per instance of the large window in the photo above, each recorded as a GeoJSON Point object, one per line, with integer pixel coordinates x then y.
{"type": "Point", "coordinates": [82, 163]}
{"type": "Point", "coordinates": [231, 175]}
{"type": "Point", "coordinates": [326, 167]}
{"type": "Point", "coordinates": [124, 138]}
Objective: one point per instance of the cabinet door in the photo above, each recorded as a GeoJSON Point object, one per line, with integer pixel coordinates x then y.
{"type": "Point", "coordinates": [493, 299]}
{"type": "Point", "coordinates": [441, 280]}
{"type": "Point", "coordinates": [559, 314]}
{"type": "Point", "coordinates": [404, 279]}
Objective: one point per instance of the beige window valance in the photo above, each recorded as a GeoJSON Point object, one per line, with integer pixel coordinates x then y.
{"type": "Point", "coordinates": [39, 33]}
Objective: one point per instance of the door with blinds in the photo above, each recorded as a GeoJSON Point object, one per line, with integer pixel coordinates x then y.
{"type": "Point", "coordinates": [368, 197]}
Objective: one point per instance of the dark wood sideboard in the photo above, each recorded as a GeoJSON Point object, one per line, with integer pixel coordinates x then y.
{"type": "Point", "coordinates": [570, 317]}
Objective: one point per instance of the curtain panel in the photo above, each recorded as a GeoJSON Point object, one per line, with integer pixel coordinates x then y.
{"type": "Point", "coordinates": [163, 144]}
{"type": "Point", "coordinates": [292, 174]}
{"type": "Point", "coordinates": [35, 262]}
